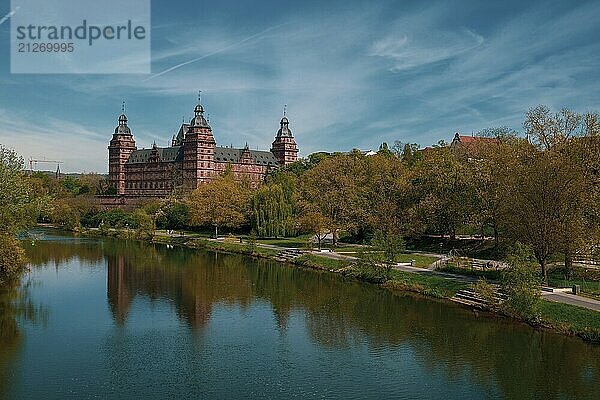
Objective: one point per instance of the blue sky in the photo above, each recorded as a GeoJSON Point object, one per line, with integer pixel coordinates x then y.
{"type": "Point", "coordinates": [353, 73]}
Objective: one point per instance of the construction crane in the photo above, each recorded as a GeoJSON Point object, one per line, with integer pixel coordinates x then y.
{"type": "Point", "coordinates": [33, 161]}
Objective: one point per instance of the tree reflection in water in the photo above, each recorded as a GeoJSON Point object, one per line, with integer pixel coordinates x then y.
{"type": "Point", "coordinates": [15, 307]}
{"type": "Point", "coordinates": [494, 353]}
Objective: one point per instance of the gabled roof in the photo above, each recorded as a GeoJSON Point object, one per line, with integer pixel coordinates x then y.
{"type": "Point", "coordinates": [471, 140]}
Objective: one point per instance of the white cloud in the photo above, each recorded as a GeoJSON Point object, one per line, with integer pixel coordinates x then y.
{"type": "Point", "coordinates": [77, 146]}
{"type": "Point", "coordinates": [413, 48]}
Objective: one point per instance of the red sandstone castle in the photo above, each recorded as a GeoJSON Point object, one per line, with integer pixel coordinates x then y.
{"type": "Point", "coordinates": [193, 159]}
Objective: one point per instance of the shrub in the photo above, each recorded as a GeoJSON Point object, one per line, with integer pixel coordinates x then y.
{"type": "Point", "coordinates": [371, 267]}
{"type": "Point", "coordinates": [12, 256]}
{"type": "Point", "coordinates": [521, 284]}
{"type": "Point", "coordinates": [486, 291]}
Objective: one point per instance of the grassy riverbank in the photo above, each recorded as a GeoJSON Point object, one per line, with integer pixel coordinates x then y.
{"type": "Point", "coordinates": [563, 318]}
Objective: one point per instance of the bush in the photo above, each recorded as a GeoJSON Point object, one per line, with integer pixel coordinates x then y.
{"type": "Point", "coordinates": [486, 291]}
{"type": "Point", "coordinates": [12, 256]}
{"type": "Point", "coordinates": [251, 246]}
{"type": "Point", "coordinates": [371, 267]}
{"type": "Point", "coordinates": [522, 285]}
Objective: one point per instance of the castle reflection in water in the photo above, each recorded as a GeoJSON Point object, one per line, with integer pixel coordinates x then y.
{"type": "Point", "coordinates": [334, 312]}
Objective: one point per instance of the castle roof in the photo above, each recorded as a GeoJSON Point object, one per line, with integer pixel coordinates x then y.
{"type": "Point", "coordinates": [222, 154]}
{"type": "Point", "coordinates": [228, 154]}
{"type": "Point", "coordinates": [284, 130]}
{"type": "Point", "coordinates": [165, 154]}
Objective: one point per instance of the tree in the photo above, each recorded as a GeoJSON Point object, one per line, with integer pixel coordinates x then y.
{"type": "Point", "coordinates": [19, 208]}
{"type": "Point", "coordinates": [313, 221]}
{"type": "Point", "coordinates": [172, 214]}
{"type": "Point", "coordinates": [389, 198]}
{"type": "Point", "coordinates": [490, 178]}
{"type": "Point", "coordinates": [447, 193]}
{"type": "Point", "coordinates": [538, 206]}
{"type": "Point", "coordinates": [143, 224]}
{"type": "Point", "coordinates": [272, 211]}
{"type": "Point", "coordinates": [222, 202]}
{"type": "Point", "coordinates": [547, 130]}
{"type": "Point", "coordinates": [332, 191]}
{"type": "Point", "coordinates": [554, 185]}
{"type": "Point", "coordinates": [389, 244]}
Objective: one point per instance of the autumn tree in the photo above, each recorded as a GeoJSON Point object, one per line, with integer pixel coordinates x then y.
{"type": "Point", "coordinates": [221, 203]}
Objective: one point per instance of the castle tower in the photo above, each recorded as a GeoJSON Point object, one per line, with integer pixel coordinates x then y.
{"type": "Point", "coordinates": [284, 147]}
{"type": "Point", "coordinates": [120, 148]}
{"type": "Point", "coordinates": [198, 150]}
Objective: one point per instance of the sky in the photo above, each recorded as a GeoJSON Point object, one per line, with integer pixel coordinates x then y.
{"type": "Point", "coordinates": [353, 74]}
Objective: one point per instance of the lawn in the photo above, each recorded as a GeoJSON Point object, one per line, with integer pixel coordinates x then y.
{"type": "Point", "coordinates": [421, 260]}
{"type": "Point", "coordinates": [572, 319]}
{"type": "Point", "coordinates": [315, 261]}
{"type": "Point", "coordinates": [426, 284]}
{"type": "Point", "coordinates": [591, 288]}
{"type": "Point", "coordinates": [296, 242]}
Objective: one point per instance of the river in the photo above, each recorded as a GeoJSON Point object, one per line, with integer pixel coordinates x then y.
{"type": "Point", "coordinates": [104, 318]}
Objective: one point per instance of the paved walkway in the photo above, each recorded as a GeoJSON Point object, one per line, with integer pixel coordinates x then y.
{"type": "Point", "coordinates": [568, 298]}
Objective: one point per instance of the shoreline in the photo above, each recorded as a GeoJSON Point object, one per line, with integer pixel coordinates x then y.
{"type": "Point", "coordinates": [431, 287]}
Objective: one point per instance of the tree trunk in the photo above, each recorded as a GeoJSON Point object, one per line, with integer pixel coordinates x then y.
{"type": "Point", "coordinates": [495, 237]}
{"type": "Point", "coordinates": [216, 232]}
{"type": "Point", "coordinates": [544, 271]}
{"type": "Point", "coordinates": [568, 264]}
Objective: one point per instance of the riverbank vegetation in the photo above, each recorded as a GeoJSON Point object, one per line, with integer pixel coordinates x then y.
{"type": "Point", "coordinates": [20, 204]}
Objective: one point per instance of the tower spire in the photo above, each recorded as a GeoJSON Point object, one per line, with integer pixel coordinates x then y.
{"type": "Point", "coordinates": [123, 107]}
{"type": "Point", "coordinates": [284, 109]}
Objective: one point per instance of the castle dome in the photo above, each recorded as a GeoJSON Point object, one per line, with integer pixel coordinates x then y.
{"type": "Point", "coordinates": [122, 128]}
{"type": "Point", "coordinates": [284, 129]}
{"type": "Point", "coordinates": [199, 120]}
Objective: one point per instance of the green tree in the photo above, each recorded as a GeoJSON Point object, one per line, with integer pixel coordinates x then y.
{"type": "Point", "coordinates": [272, 211]}
{"type": "Point", "coordinates": [446, 190]}
{"type": "Point", "coordinates": [333, 191]}
{"type": "Point", "coordinates": [172, 214]}
{"type": "Point", "coordinates": [144, 224]}
{"type": "Point", "coordinates": [390, 245]}
{"type": "Point", "coordinates": [19, 208]}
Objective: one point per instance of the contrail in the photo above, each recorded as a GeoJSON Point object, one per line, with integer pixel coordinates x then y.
{"type": "Point", "coordinates": [213, 52]}
{"type": "Point", "coordinates": [7, 16]}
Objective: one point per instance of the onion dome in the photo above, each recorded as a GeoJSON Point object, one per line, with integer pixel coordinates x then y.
{"type": "Point", "coordinates": [199, 120]}
{"type": "Point", "coordinates": [284, 130]}
{"type": "Point", "coordinates": [122, 127]}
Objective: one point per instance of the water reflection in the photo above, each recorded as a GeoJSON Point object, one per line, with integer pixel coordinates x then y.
{"type": "Point", "coordinates": [497, 355]}
{"type": "Point", "coordinates": [15, 306]}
